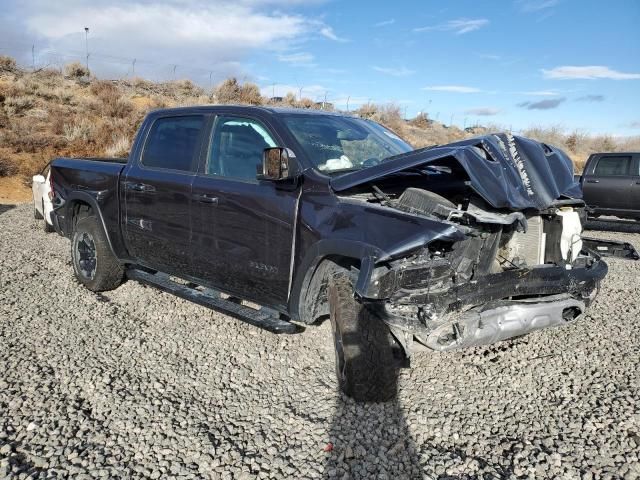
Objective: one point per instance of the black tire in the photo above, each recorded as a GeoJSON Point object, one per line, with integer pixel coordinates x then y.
{"type": "Point", "coordinates": [367, 356]}
{"type": "Point", "coordinates": [94, 265]}
{"type": "Point", "coordinates": [46, 227]}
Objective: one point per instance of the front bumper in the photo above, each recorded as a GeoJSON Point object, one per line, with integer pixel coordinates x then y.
{"type": "Point", "coordinates": [492, 308]}
{"type": "Point", "coordinates": [504, 320]}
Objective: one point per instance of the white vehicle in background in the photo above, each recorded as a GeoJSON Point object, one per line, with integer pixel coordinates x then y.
{"type": "Point", "coordinates": [42, 206]}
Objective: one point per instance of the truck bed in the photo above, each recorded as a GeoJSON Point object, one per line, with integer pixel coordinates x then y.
{"type": "Point", "coordinates": [95, 179]}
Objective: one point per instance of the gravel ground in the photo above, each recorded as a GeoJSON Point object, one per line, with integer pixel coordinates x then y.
{"type": "Point", "coordinates": [136, 383]}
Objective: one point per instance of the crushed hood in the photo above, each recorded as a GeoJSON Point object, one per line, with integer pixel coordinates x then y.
{"type": "Point", "coordinates": [507, 171]}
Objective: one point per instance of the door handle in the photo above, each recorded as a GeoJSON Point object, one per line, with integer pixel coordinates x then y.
{"type": "Point", "coordinates": [204, 198]}
{"type": "Point", "coordinates": [140, 187]}
{"type": "Point", "coordinates": [593, 181]}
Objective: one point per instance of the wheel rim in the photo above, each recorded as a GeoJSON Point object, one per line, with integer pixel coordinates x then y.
{"type": "Point", "coordinates": [85, 249]}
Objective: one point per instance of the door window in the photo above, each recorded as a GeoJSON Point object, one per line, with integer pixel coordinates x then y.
{"type": "Point", "coordinates": [173, 142]}
{"type": "Point", "coordinates": [614, 165]}
{"type": "Point", "coordinates": [236, 148]}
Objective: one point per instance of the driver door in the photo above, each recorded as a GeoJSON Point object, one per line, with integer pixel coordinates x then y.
{"type": "Point", "coordinates": [242, 228]}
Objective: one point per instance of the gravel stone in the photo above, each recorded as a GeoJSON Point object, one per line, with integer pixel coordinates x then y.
{"type": "Point", "coordinates": [135, 383]}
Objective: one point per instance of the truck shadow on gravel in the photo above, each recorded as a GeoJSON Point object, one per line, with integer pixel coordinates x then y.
{"type": "Point", "coordinates": [5, 208]}
{"type": "Point", "coordinates": [370, 440]}
{"type": "Point", "coordinates": [373, 441]}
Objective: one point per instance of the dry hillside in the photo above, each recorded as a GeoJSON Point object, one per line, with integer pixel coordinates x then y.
{"type": "Point", "coordinates": [48, 113]}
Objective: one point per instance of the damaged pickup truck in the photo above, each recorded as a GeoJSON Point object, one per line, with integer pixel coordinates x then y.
{"type": "Point", "coordinates": [283, 217]}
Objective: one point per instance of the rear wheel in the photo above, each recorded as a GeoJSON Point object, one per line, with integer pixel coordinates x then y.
{"type": "Point", "coordinates": [94, 264]}
{"type": "Point", "coordinates": [367, 356]}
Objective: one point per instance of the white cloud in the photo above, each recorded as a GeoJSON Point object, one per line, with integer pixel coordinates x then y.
{"type": "Point", "coordinates": [529, 6]}
{"type": "Point", "coordinates": [459, 26]}
{"type": "Point", "coordinates": [298, 58]}
{"type": "Point", "coordinates": [592, 72]}
{"type": "Point", "coordinates": [452, 88]}
{"type": "Point", "coordinates": [483, 111]}
{"type": "Point", "coordinates": [396, 72]}
{"type": "Point", "coordinates": [330, 34]}
{"type": "Point", "coordinates": [385, 23]}
{"type": "Point", "coordinates": [212, 36]}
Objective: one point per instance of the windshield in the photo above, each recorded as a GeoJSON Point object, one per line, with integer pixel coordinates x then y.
{"type": "Point", "coordinates": [335, 143]}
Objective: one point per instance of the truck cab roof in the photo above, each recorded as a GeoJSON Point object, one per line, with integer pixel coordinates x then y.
{"type": "Point", "coordinates": [246, 109]}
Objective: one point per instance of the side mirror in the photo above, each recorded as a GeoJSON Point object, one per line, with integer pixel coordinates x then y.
{"type": "Point", "coordinates": [275, 164]}
{"type": "Point", "coordinates": [39, 179]}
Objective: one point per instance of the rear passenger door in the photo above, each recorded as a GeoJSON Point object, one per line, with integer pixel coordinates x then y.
{"type": "Point", "coordinates": [608, 184]}
{"type": "Point", "coordinates": [157, 193]}
{"type": "Point", "coordinates": [242, 228]}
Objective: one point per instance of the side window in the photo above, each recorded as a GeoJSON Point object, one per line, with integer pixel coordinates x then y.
{"type": "Point", "coordinates": [172, 143]}
{"type": "Point", "coordinates": [236, 147]}
{"type": "Point", "coordinates": [613, 165]}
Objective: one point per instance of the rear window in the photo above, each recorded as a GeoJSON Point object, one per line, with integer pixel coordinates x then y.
{"type": "Point", "coordinates": [614, 165]}
{"type": "Point", "coordinates": [172, 143]}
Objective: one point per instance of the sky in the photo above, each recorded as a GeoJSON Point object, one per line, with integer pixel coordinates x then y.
{"type": "Point", "coordinates": [509, 63]}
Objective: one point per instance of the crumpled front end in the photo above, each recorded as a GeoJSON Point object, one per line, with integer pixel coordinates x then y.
{"type": "Point", "coordinates": [520, 262]}
{"type": "Point", "coordinates": [513, 273]}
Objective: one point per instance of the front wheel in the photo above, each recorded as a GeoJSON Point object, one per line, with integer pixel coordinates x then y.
{"type": "Point", "coordinates": [367, 355]}
{"type": "Point", "coordinates": [94, 264]}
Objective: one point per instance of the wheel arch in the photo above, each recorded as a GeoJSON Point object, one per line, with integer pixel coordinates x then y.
{"type": "Point", "coordinates": [79, 205]}
{"type": "Point", "coordinates": [308, 300]}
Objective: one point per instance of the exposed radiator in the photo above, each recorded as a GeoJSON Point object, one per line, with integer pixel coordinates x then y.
{"type": "Point", "coordinates": [527, 247]}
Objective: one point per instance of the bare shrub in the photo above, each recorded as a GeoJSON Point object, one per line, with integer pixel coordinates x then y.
{"type": "Point", "coordinates": [119, 147]}
{"type": "Point", "coordinates": [421, 120]}
{"type": "Point", "coordinates": [228, 91]}
{"type": "Point", "coordinates": [18, 105]}
{"type": "Point", "coordinates": [306, 103]}
{"type": "Point", "coordinates": [7, 167]}
{"type": "Point", "coordinates": [75, 70]}
{"type": "Point", "coordinates": [389, 115]}
{"type": "Point", "coordinates": [290, 99]}
{"type": "Point", "coordinates": [7, 64]}
{"type": "Point", "coordinates": [250, 94]}
{"type": "Point", "coordinates": [80, 130]}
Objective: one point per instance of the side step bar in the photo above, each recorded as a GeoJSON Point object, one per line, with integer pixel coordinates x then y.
{"type": "Point", "coordinates": [263, 318]}
{"type": "Point", "coordinates": [610, 248]}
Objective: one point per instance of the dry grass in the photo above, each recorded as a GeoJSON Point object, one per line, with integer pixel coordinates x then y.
{"type": "Point", "coordinates": [44, 114]}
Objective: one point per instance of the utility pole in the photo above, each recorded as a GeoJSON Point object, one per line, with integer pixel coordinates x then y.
{"type": "Point", "coordinates": [86, 44]}
{"type": "Point", "coordinates": [133, 68]}
{"type": "Point", "coordinates": [348, 98]}
{"type": "Point", "coordinates": [33, 56]}
{"type": "Point", "coordinates": [300, 93]}
{"type": "Point", "coordinates": [210, 75]}
{"type": "Point", "coordinates": [273, 90]}
{"type": "Point", "coordinates": [174, 71]}
{"type": "Point", "coordinates": [325, 100]}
